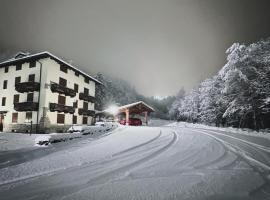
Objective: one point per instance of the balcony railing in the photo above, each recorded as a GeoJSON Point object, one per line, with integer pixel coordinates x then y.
{"type": "Point", "coordinates": [83, 111]}
{"type": "Point", "coordinates": [27, 87]}
{"type": "Point", "coordinates": [86, 97]}
{"type": "Point", "coordinates": [61, 108]}
{"type": "Point", "coordinates": [26, 106]}
{"type": "Point", "coordinates": [56, 88]}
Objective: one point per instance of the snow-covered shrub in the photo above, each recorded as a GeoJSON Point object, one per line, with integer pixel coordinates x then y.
{"type": "Point", "coordinates": [75, 132]}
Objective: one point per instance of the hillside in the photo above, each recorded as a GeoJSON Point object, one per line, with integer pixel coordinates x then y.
{"type": "Point", "coordinates": [118, 91]}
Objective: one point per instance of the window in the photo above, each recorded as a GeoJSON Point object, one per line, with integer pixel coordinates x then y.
{"type": "Point", "coordinates": [63, 68]}
{"type": "Point", "coordinates": [84, 120]}
{"type": "Point", "coordinates": [76, 87]}
{"type": "Point", "coordinates": [17, 80]}
{"type": "Point", "coordinates": [32, 64]}
{"type": "Point", "coordinates": [62, 82]}
{"type": "Point", "coordinates": [5, 84]}
{"type": "Point", "coordinates": [74, 119]}
{"type": "Point", "coordinates": [16, 98]}
{"type": "Point", "coordinates": [75, 104]}
{"type": "Point", "coordinates": [60, 118]}
{"type": "Point", "coordinates": [6, 69]}
{"type": "Point", "coordinates": [28, 116]}
{"type": "Point", "coordinates": [4, 101]}
{"type": "Point", "coordinates": [14, 117]}
{"type": "Point", "coordinates": [77, 74]}
{"type": "Point", "coordinates": [86, 80]}
{"type": "Point", "coordinates": [30, 97]}
{"type": "Point", "coordinates": [18, 66]}
{"type": "Point", "coordinates": [86, 91]}
{"type": "Point", "coordinates": [85, 105]}
{"type": "Point", "coordinates": [61, 100]}
{"type": "Point", "coordinates": [31, 78]}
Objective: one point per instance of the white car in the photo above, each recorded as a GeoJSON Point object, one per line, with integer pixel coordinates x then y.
{"type": "Point", "coordinates": [100, 123]}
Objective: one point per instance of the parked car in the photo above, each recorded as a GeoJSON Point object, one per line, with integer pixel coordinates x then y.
{"type": "Point", "coordinates": [100, 123]}
{"type": "Point", "coordinates": [132, 122]}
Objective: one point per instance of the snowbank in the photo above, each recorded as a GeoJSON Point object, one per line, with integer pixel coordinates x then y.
{"type": "Point", "coordinates": [249, 132]}
{"type": "Point", "coordinates": [75, 132]}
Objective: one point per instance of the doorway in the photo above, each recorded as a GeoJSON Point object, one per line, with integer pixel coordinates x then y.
{"type": "Point", "coordinates": [1, 123]}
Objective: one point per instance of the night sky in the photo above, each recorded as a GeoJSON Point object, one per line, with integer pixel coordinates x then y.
{"type": "Point", "coordinates": [158, 46]}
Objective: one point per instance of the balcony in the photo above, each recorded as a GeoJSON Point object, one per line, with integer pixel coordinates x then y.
{"type": "Point", "coordinates": [83, 111]}
{"type": "Point", "coordinates": [86, 97]}
{"type": "Point", "coordinates": [61, 108]}
{"type": "Point", "coordinates": [26, 106]}
{"type": "Point", "coordinates": [27, 87]}
{"type": "Point", "coordinates": [56, 88]}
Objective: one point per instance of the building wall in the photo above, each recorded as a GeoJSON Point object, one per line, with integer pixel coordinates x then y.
{"type": "Point", "coordinates": [50, 73]}
{"type": "Point", "coordinates": [53, 74]}
{"type": "Point", "coordinates": [10, 92]}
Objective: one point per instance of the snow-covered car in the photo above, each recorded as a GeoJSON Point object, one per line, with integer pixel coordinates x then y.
{"type": "Point", "coordinates": [74, 129]}
{"type": "Point", "coordinates": [100, 123]}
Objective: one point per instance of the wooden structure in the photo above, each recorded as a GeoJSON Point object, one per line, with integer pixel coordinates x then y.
{"type": "Point", "coordinates": [136, 108]}
{"type": "Point", "coordinates": [139, 107]}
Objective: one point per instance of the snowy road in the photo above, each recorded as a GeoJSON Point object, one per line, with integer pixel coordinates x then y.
{"type": "Point", "coordinates": [143, 163]}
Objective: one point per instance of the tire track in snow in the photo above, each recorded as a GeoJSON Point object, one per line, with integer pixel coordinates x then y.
{"type": "Point", "coordinates": [263, 191]}
{"type": "Point", "coordinates": [261, 147]}
{"type": "Point", "coordinates": [242, 152]}
{"type": "Point", "coordinates": [138, 146]}
{"type": "Point", "coordinates": [93, 168]}
{"type": "Point", "coordinates": [218, 159]}
{"type": "Point", "coordinates": [84, 165]}
{"type": "Point", "coordinates": [136, 163]}
{"type": "Point", "coordinates": [250, 138]}
{"type": "Point", "coordinates": [116, 173]}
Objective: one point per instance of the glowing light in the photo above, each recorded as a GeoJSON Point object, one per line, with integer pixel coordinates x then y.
{"type": "Point", "coordinates": [113, 109]}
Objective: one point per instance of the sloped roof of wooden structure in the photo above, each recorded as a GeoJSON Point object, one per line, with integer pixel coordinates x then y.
{"type": "Point", "coordinates": [137, 107]}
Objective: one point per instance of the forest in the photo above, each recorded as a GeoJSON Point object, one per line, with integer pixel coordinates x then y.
{"type": "Point", "coordinates": [238, 95]}
{"type": "Point", "coordinates": [116, 91]}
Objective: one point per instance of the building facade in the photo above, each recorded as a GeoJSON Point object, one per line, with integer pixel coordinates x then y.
{"type": "Point", "coordinates": [43, 93]}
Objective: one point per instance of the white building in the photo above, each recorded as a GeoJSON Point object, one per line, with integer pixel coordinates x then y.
{"type": "Point", "coordinates": [43, 92]}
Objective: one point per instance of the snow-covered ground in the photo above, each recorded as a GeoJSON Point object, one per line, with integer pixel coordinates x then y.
{"type": "Point", "coordinates": [16, 141]}
{"type": "Point", "coordinates": [172, 162]}
{"type": "Point", "coordinates": [230, 130]}
{"type": "Point", "coordinates": [13, 141]}
{"type": "Point", "coordinates": [158, 122]}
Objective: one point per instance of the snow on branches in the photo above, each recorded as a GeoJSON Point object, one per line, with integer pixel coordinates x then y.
{"type": "Point", "coordinates": [238, 95]}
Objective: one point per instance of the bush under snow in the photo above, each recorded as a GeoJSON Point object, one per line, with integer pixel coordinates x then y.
{"type": "Point", "coordinates": [76, 132]}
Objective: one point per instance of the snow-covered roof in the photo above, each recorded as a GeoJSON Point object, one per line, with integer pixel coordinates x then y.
{"type": "Point", "coordinates": [134, 104]}
{"type": "Point", "coordinates": [47, 54]}
{"type": "Point", "coordinates": [123, 108]}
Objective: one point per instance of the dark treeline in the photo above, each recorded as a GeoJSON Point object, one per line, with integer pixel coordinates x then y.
{"type": "Point", "coordinates": [117, 91]}
{"type": "Point", "coordinates": [238, 96]}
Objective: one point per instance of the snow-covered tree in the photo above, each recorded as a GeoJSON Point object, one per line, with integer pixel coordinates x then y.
{"type": "Point", "coordinates": [246, 84]}
{"type": "Point", "coordinates": [173, 110]}
{"type": "Point", "coordinates": [189, 109]}
{"type": "Point", "coordinates": [210, 101]}
{"type": "Point", "coordinates": [239, 95]}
